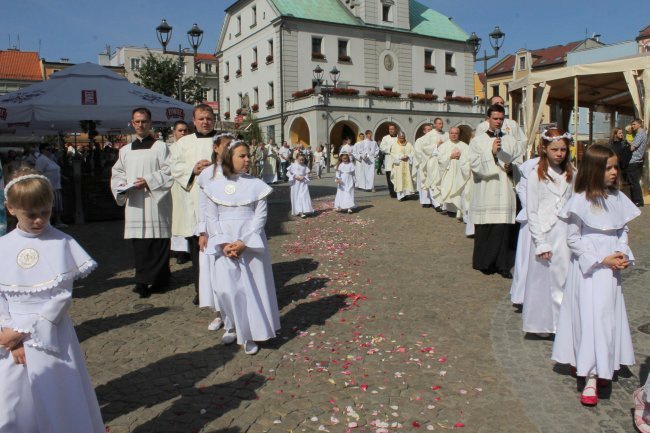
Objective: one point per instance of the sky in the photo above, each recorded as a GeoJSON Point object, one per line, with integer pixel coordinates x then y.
{"type": "Point", "coordinates": [80, 29]}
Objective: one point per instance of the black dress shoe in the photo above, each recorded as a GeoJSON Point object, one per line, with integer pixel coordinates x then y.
{"type": "Point", "coordinates": [639, 204]}
{"type": "Point", "coordinates": [426, 206]}
{"type": "Point", "coordinates": [139, 288]}
{"type": "Point", "coordinates": [182, 258]}
{"type": "Point", "coordinates": [506, 274]}
{"type": "Point", "coordinates": [195, 301]}
{"type": "Point", "coordinates": [438, 209]}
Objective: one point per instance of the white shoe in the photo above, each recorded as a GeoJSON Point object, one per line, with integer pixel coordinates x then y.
{"type": "Point", "coordinates": [229, 337]}
{"type": "Point", "coordinates": [250, 348]}
{"type": "Point", "coordinates": [215, 324]}
{"type": "Point", "coordinates": [349, 210]}
{"type": "Point", "coordinates": [302, 215]}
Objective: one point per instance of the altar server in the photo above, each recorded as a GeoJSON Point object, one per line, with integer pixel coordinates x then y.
{"type": "Point", "coordinates": [298, 174]}
{"type": "Point", "coordinates": [510, 127]}
{"type": "Point", "coordinates": [386, 144]}
{"type": "Point", "coordinates": [45, 384]}
{"type": "Point", "coordinates": [141, 181]}
{"type": "Point", "coordinates": [179, 244]}
{"type": "Point", "coordinates": [452, 180]}
{"type": "Point", "coordinates": [593, 334]}
{"type": "Point", "coordinates": [550, 186]}
{"type": "Point", "coordinates": [366, 154]}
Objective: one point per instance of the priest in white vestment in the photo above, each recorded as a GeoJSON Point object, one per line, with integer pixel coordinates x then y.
{"type": "Point", "coordinates": [270, 169]}
{"type": "Point", "coordinates": [402, 153]}
{"type": "Point", "coordinates": [179, 244]}
{"type": "Point", "coordinates": [423, 151]}
{"type": "Point", "coordinates": [385, 146]}
{"type": "Point", "coordinates": [141, 181]}
{"type": "Point", "coordinates": [357, 151]}
{"type": "Point", "coordinates": [493, 205]}
{"type": "Point", "coordinates": [431, 181]}
{"type": "Point", "coordinates": [452, 180]}
{"type": "Point", "coordinates": [193, 154]}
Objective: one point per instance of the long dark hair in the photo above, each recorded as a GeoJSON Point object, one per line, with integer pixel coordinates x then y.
{"type": "Point", "coordinates": [226, 159]}
{"type": "Point", "coordinates": [591, 176]}
{"type": "Point", "coordinates": [565, 165]}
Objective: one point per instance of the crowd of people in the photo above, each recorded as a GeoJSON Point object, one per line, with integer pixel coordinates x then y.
{"type": "Point", "coordinates": [563, 230]}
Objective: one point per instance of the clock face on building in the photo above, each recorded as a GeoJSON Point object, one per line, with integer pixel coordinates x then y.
{"type": "Point", "coordinates": [388, 62]}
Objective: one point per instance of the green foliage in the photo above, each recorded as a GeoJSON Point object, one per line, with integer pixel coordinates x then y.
{"type": "Point", "coordinates": [161, 75]}
{"type": "Point", "coordinates": [253, 131]}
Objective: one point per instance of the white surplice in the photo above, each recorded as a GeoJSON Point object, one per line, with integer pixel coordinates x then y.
{"type": "Point", "coordinates": [385, 145]}
{"type": "Point", "coordinates": [466, 198]}
{"type": "Point", "coordinates": [452, 180]}
{"type": "Point", "coordinates": [493, 196]}
{"type": "Point", "coordinates": [518, 286]}
{"type": "Point", "coordinates": [345, 190]}
{"type": "Point", "coordinates": [245, 289]}
{"type": "Point", "coordinates": [366, 152]}
{"type": "Point", "coordinates": [510, 127]}
{"type": "Point", "coordinates": [424, 150]}
{"type": "Point", "coordinates": [53, 392]}
{"type": "Point", "coordinates": [545, 278]}
{"type": "Point", "coordinates": [189, 150]}
{"type": "Point", "coordinates": [178, 243]}
{"type": "Point", "coordinates": [270, 170]}
{"type": "Point", "coordinates": [300, 199]}
{"type": "Point", "coordinates": [148, 212]}
{"type": "Point", "coordinates": [593, 333]}
{"type": "Point", "coordinates": [431, 180]}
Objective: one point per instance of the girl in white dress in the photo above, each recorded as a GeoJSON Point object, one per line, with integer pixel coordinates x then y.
{"type": "Point", "coordinates": [298, 173]}
{"type": "Point", "coordinates": [344, 199]}
{"type": "Point", "coordinates": [45, 385]}
{"type": "Point", "coordinates": [593, 334]}
{"type": "Point", "coordinates": [550, 185]}
{"type": "Point", "coordinates": [235, 215]}
{"type": "Point", "coordinates": [207, 298]}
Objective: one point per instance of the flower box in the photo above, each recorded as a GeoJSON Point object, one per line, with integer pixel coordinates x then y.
{"type": "Point", "coordinates": [226, 77]}
{"type": "Point", "coordinates": [269, 59]}
{"type": "Point", "coordinates": [346, 59]}
{"type": "Point", "coordinates": [450, 70]}
{"type": "Point", "coordinates": [317, 56]}
{"type": "Point", "coordinates": [254, 65]}
{"type": "Point", "coordinates": [462, 99]}
{"type": "Point", "coordinates": [238, 73]}
{"type": "Point", "coordinates": [303, 93]}
{"type": "Point", "coordinates": [383, 93]}
{"type": "Point", "coordinates": [429, 67]}
{"type": "Point", "coordinates": [239, 111]}
{"type": "Point", "coordinates": [343, 91]}
{"type": "Point", "coordinates": [255, 107]}
{"type": "Point", "coordinates": [226, 115]}
{"type": "Point", "coordinates": [269, 103]}
{"type": "Point", "coordinates": [423, 96]}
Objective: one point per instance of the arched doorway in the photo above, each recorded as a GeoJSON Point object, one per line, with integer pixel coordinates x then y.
{"type": "Point", "coordinates": [342, 130]}
{"type": "Point", "coordinates": [466, 133]}
{"type": "Point", "coordinates": [382, 130]}
{"type": "Point", "coordinates": [299, 132]}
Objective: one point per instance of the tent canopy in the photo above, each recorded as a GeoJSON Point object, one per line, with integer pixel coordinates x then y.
{"type": "Point", "coordinates": [84, 92]}
{"type": "Point", "coordinates": [613, 84]}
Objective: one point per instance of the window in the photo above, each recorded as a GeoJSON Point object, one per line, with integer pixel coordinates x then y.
{"type": "Point", "coordinates": [269, 56]}
{"type": "Point", "coordinates": [228, 105]}
{"type": "Point", "coordinates": [495, 90]}
{"type": "Point", "coordinates": [214, 95]}
{"type": "Point", "coordinates": [429, 91]}
{"type": "Point", "coordinates": [449, 94]}
{"type": "Point", "coordinates": [256, 96]}
{"type": "Point", "coordinates": [238, 26]}
{"type": "Point", "coordinates": [428, 61]}
{"type": "Point", "coordinates": [135, 64]}
{"type": "Point", "coordinates": [271, 93]}
{"type": "Point", "coordinates": [208, 67]}
{"type": "Point", "coordinates": [254, 54]}
{"type": "Point", "coordinates": [238, 71]}
{"type": "Point", "coordinates": [449, 63]}
{"type": "Point", "coordinates": [270, 131]}
{"type": "Point", "coordinates": [387, 13]}
{"type": "Point", "coordinates": [343, 49]}
{"type": "Point", "coordinates": [522, 63]}
{"type": "Point", "coordinates": [254, 16]}
{"type": "Point", "coordinates": [317, 48]}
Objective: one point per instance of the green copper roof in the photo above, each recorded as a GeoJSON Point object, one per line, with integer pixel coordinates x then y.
{"type": "Point", "coordinates": [427, 22]}
{"type": "Point", "coordinates": [318, 10]}
{"type": "Point", "coordinates": [424, 21]}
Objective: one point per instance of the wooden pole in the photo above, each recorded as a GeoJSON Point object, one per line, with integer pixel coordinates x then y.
{"type": "Point", "coordinates": [576, 110]}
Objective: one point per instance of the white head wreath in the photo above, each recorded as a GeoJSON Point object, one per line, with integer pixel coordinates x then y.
{"type": "Point", "coordinates": [235, 143]}
{"type": "Point", "coordinates": [21, 178]}
{"type": "Point", "coordinates": [223, 134]}
{"type": "Point", "coordinates": [546, 137]}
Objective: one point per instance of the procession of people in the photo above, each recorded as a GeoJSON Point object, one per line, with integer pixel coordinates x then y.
{"type": "Point", "coordinates": [558, 231]}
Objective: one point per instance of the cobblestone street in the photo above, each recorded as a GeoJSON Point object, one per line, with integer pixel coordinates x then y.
{"type": "Point", "coordinates": [385, 327]}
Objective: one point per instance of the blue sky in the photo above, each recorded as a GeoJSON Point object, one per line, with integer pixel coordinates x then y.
{"type": "Point", "coordinates": [79, 29]}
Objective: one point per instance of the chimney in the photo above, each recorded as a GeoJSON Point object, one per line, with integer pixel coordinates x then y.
{"type": "Point", "coordinates": [65, 60]}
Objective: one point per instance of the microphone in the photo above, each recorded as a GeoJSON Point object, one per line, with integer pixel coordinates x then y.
{"type": "Point", "coordinates": [497, 133]}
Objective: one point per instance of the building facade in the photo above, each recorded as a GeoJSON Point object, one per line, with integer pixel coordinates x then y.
{"type": "Point", "coordinates": [398, 62]}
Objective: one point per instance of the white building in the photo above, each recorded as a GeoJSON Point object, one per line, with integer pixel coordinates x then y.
{"type": "Point", "coordinates": [268, 50]}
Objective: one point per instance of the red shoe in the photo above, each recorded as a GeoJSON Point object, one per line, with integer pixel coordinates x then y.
{"type": "Point", "coordinates": [589, 400]}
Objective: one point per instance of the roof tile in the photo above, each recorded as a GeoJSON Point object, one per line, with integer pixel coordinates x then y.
{"type": "Point", "coordinates": [20, 65]}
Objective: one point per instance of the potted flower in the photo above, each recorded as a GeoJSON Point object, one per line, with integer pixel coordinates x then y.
{"type": "Point", "coordinates": [239, 111]}
{"type": "Point", "coordinates": [429, 67]}
{"type": "Point", "coordinates": [255, 107]}
{"type": "Point", "coordinates": [317, 56]}
{"type": "Point", "coordinates": [238, 73]}
{"type": "Point", "coordinates": [226, 115]}
{"type": "Point", "coordinates": [383, 93]}
{"type": "Point", "coordinates": [254, 65]}
{"type": "Point", "coordinates": [269, 103]}
{"type": "Point", "coordinates": [303, 93]}
{"type": "Point", "coordinates": [269, 58]}
{"type": "Point", "coordinates": [226, 77]}
{"type": "Point", "coordinates": [345, 58]}
{"type": "Point", "coordinates": [423, 96]}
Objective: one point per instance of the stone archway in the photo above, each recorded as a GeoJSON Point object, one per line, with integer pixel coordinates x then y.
{"type": "Point", "coordinates": [299, 132]}
{"type": "Point", "coordinates": [341, 130]}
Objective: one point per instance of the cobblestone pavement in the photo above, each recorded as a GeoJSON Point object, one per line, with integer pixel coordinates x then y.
{"type": "Point", "coordinates": [385, 328]}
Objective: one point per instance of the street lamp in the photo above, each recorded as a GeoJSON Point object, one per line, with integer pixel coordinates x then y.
{"type": "Point", "coordinates": [497, 37]}
{"type": "Point", "coordinates": [194, 37]}
{"type": "Point", "coordinates": [325, 91]}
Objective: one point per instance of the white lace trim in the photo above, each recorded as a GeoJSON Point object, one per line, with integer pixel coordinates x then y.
{"type": "Point", "coordinates": [262, 196]}
{"type": "Point", "coordinates": [74, 274]}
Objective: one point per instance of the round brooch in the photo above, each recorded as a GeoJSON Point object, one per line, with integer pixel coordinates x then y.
{"type": "Point", "coordinates": [27, 258]}
{"type": "Point", "coordinates": [230, 189]}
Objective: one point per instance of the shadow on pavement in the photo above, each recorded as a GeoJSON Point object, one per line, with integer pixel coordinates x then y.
{"type": "Point", "coordinates": [216, 400]}
{"type": "Point", "coordinates": [93, 327]}
{"type": "Point", "coordinates": [283, 272]}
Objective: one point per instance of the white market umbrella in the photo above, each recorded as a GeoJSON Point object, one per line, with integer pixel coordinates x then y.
{"type": "Point", "coordinates": [85, 92]}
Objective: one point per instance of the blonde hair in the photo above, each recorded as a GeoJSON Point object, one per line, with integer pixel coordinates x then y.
{"type": "Point", "coordinates": [29, 193]}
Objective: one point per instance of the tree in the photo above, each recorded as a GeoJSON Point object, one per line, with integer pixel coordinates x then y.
{"type": "Point", "coordinates": [161, 74]}
{"type": "Point", "coordinates": [253, 131]}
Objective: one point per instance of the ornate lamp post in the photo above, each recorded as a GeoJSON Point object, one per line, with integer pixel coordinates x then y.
{"type": "Point", "coordinates": [194, 37]}
{"type": "Point", "coordinates": [497, 37]}
{"type": "Point", "coordinates": [325, 91]}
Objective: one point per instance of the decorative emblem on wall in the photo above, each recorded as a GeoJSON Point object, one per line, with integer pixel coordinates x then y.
{"type": "Point", "coordinates": [388, 62]}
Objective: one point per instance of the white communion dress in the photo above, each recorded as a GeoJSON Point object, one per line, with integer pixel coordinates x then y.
{"type": "Point", "coordinates": [300, 198]}
{"type": "Point", "coordinates": [52, 392]}
{"type": "Point", "coordinates": [244, 287]}
{"type": "Point", "coordinates": [345, 191]}
{"type": "Point", "coordinates": [593, 333]}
